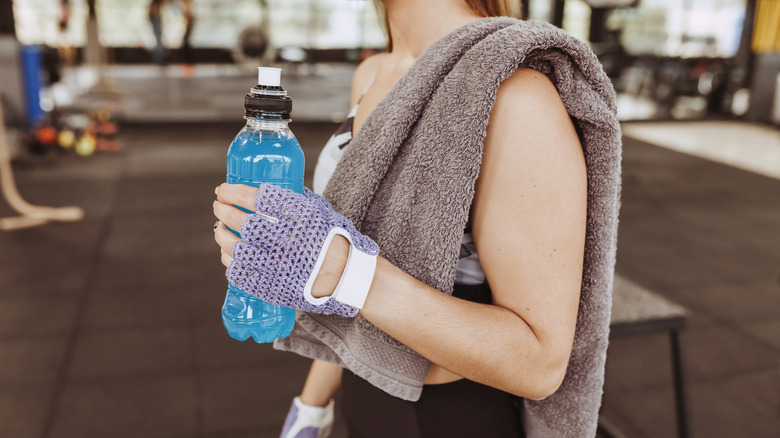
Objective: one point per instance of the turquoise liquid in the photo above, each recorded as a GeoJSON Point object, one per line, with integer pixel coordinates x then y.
{"type": "Point", "coordinates": [264, 151]}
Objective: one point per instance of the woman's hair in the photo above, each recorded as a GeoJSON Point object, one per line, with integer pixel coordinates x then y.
{"type": "Point", "coordinates": [484, 8]}
{"type": "Point", "coordinates": [494, 8]}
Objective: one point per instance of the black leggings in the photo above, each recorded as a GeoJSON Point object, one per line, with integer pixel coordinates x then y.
{"type": "Point", "coordinates": [459, 409]}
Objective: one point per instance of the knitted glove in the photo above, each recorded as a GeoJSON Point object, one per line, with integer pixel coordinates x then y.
{"type": "Point", "coordinates": [283, 246]}
{"type": "Point", "coordinates": [304, 421]}
{"type": "Point", "coordinates": [311, 195]}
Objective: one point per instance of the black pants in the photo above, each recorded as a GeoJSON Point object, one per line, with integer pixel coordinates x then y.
{"type": "Point", "coordinates": [459, 409]}
{"type": "Point", "coordinates": [451, 410]}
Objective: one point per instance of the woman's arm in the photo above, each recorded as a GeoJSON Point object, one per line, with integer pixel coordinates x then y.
{"type": "Point", "coordinates": [528, 219]}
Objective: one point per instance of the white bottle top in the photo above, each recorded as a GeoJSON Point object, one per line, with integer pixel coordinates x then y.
{"type": "Point", "coordinates": [269, 76]}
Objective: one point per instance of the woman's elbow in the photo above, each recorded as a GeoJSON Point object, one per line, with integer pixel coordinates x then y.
{"type": "Point", "coordinates": [547, 384]}
{"type": "Point", "coordinates": [546, 381]}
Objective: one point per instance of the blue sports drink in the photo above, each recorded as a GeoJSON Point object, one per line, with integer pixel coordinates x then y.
{"type": "Point", "coordinates": [264, 151]}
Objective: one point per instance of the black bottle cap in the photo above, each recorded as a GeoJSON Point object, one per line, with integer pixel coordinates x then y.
{"type": "Point", "coordinates": [267, 102]}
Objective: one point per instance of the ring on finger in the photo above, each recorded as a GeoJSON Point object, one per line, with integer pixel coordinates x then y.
{"type": "Point", "coordinates": [272, 219]}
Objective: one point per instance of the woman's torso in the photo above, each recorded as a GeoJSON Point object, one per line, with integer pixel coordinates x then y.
{"type": "Point", "coordinates": [375, 84]}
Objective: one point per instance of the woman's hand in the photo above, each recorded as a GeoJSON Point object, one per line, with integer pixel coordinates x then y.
{"type": "Point", "coordinates": [231, 195]}
{"type": "Point", "coordinates": [225, 210]}
{"type": "Point", "coordinates": [290, 251]}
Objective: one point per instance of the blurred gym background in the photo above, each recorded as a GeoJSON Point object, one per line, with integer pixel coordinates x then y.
{"type": "Point", "coordinates": [117, 118]}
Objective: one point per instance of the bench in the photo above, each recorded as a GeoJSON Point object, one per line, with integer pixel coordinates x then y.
{"type": "Point", "coordinates": [638, 311]}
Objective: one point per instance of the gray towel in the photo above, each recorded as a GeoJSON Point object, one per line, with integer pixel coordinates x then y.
{"type": "Point", "coordinates": [407, 180]}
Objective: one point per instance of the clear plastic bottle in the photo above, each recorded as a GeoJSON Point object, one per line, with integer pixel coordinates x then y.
{"type": "Point", "coordinates": [264, 151]}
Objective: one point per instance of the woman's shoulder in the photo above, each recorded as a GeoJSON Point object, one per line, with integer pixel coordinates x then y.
{"type": "Point", "coordinates": [529, 119]}
{"type": "Point", "coordinates": [364, 74]}
{"type": "Point", "coordinates": [532, 89]}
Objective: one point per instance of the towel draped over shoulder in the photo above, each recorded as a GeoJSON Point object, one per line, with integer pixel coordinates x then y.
{"type": "Point", "coordinates": [407, 181]}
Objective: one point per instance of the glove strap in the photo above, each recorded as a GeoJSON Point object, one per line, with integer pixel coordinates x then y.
{"type": "Point", "coordinates": [356, 279]}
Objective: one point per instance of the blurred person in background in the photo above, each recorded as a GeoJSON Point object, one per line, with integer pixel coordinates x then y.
{"type": "Point", "coordinates": [67, 53]}
{"type": "Point", "coordinates": [491, 348]}
{"type": "Point", "coordinates": [155, 18]}
{"type": "Point", "coordinates": [186, 45]}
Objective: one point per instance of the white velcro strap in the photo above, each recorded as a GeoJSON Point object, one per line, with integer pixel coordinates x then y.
{"type": "Point", "coordinates": [356, 279]}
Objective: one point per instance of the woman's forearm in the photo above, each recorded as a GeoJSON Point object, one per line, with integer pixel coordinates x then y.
{"type": "Point", "coordinates": [485, 343]}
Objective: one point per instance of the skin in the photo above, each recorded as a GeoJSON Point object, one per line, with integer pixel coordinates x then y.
{"type": "Point", "coordinates": [528, 221]}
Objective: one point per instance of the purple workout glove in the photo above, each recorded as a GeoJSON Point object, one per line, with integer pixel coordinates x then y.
{"type": "Point", "coordinates": [283, 246]}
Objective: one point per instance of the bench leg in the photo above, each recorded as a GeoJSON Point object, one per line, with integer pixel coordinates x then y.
{"type": "Point", "coordinates": [680, 398]}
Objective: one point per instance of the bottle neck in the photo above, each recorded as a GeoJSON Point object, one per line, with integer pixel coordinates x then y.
{"type": "Point", "coordinates": [267, 124]}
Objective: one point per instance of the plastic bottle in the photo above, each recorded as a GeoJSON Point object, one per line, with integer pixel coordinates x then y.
{"type": "Point", "coordinates": [264, 151]}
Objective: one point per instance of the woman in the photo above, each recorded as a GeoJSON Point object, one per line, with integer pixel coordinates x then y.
{"type": "Point", "coordinates": [481, 348]}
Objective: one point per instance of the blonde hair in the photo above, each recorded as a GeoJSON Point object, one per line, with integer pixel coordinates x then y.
{"type": "Point", "coordinates": [494, 8]}
{"type": "Point", "coordinates": [483, 8]}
